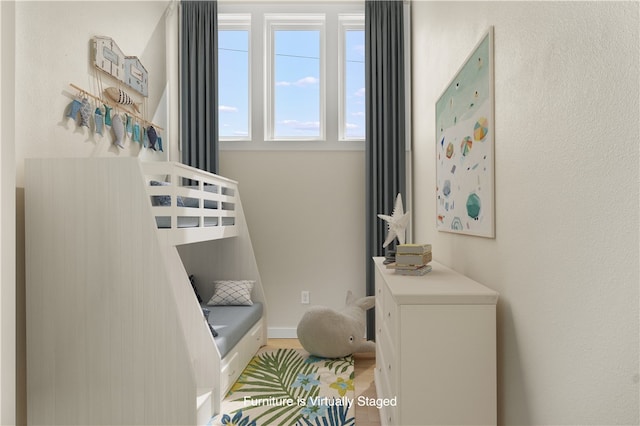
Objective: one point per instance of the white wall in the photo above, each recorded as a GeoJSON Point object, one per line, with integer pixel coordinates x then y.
{"type": "Point", "coordinates": [565, 258]}
{"type": "Point", "coordinates": [304, 210]}
{"type": "Point", "coordinates": [7, 219]}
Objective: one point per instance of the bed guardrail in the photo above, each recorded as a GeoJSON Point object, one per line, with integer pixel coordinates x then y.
{"type": "Point", "coordinates": [190, 204]}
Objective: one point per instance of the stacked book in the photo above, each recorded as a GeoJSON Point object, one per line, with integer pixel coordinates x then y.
{"type": "Point", "coordinates": [412, 259]}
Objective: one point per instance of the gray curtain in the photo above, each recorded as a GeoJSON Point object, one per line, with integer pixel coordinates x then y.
{"type": "Point", "coordinates": [199, 84]}
{"type": "Point", "coordinates": [385, 134]}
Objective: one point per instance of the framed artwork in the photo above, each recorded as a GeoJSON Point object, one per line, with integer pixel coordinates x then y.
{"type": "Point", "coordinates": [465, 147]}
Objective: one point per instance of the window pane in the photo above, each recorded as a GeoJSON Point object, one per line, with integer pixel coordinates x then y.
{"type": "Point", "coordinates": [233, 84]}
{"type": "Point", "coordinates": [354, 119]}
{"type": "Point", "coordinates": [297, 84]}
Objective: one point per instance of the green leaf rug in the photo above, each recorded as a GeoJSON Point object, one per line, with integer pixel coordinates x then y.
{"type": "Point", "coordinates": [291, 387]}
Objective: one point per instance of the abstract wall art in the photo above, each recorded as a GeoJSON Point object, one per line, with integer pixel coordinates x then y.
{"type": "Point", "coordinates": [465, 147]}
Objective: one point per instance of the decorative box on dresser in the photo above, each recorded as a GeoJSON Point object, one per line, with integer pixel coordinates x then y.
{"type": "Point", "coordinates": [435, 348]}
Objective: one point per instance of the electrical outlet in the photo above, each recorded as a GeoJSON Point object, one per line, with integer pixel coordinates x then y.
{"type": "Point", "coordinates": [304, 297]}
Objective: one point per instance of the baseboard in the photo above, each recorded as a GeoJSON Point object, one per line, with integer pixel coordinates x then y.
{"type": "Point", "coordinates": [282, 333]}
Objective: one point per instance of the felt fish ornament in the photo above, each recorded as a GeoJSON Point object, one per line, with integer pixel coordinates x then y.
{"type": "Point", "coordinates": [153, 137]}
{"type": "Point", "coordinates": [118, 130]}
{"type": "Point", "coordinates": [129, 125]}
{"type": "Point", "coordinates": [74, 109]}
{"type": "Point", "coordinates": [99, 119]}
{"type": "Point", "coordinates": [85, 113]}
{"type": "Point", "coordinates": [136, 132]}
{"type": "Point", "coordinates": [107, 115]}
{"type": "Point", "coordinates": [121, 97]}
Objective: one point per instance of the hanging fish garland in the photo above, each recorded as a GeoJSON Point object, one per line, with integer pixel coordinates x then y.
{"type": "Point", "coordinates": [118, 130]}
{"type": "Point", "coordinates": [122, 123]}
{"type": "Point", "coordinates": [121, 97]}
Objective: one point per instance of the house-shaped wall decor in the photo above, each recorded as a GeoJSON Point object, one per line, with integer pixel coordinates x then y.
{"type": "Point", "coordinates": [135, 75]}
{"type": "Point", "coordinates": [108, 57]}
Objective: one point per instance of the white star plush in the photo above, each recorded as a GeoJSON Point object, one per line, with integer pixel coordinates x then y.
{"type": "Point", "coordinates": [398, 222]}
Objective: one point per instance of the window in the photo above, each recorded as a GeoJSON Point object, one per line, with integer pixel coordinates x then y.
{"type": "Point", "coordinates": [291, 76]}
{"type": "Point", "coordinates": [352, 78]}
{"type": "Point", "coordinates": [295, 77]}
{"type": "Point", "coordinates": [233, 77]}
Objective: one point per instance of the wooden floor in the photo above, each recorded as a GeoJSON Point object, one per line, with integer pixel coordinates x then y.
{"type": "Point", "coordinates": [364, 384]}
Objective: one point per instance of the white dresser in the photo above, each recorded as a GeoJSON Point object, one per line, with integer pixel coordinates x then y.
{"type": "Point", "coordinates": [435, 348]}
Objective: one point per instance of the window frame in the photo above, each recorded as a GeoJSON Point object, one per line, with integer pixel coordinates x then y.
{"type": "Point", "coordinates": [240, 22]}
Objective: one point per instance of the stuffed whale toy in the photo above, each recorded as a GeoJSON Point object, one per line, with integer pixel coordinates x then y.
{"type": "Point", "coordinates": [328, 333]}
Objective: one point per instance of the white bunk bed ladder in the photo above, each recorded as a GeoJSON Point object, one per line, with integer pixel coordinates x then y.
{"type": "Point", "coordinates": [191, 205]}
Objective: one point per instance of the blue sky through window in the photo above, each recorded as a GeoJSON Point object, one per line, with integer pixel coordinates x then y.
{"type": "Point", "coordinates": [354, 85]}
{"type": "Point", "coordinates": [233, 83]}
{"type": "Point", "coordinates": [297, 84]}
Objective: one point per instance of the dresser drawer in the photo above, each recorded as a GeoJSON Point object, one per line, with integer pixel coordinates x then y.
{"type": "Point", "coordinates": [379, 282]}
{"type": "Point", "coordinates": [379, 306]}
{"type": "Point", "coordinates": [386, 361]}
{"type": "Point", "coordinates": [386, 386]}
{"type": "Point", "coordinates": [388, 415]}
{"type": "Point", "coordinates": [386, 307]}
{"type": "Point", "coordinates": [389, 311]}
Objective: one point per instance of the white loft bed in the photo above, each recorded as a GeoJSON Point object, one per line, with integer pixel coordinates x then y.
{"type": "Point", "coordinates": [115, 334]}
